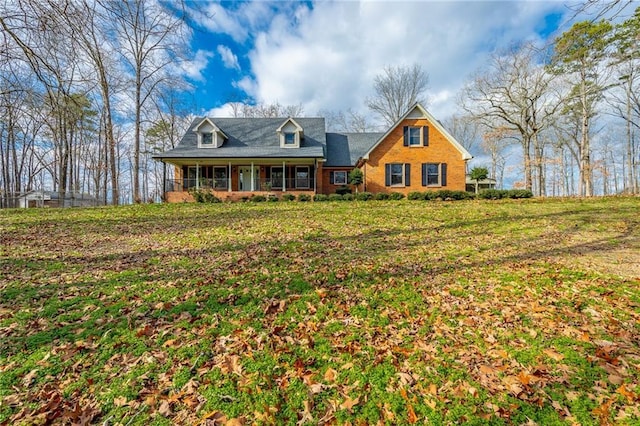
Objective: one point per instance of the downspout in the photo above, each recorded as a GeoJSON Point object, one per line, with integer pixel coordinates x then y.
{"type": "Point", "coordinates": [229, 180]}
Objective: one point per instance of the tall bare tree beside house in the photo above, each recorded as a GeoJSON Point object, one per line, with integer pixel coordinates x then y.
{"type": "Point", "coordinates": [38, 35]}
{"type": "Point", "coordinates": [625, 99]}
{"type": "Point", "coordinates": [396, 89]}
{"type": "Point", "coordinates": [516, 93]}
{"type": "Point", "coordinates": [89, 25]}
{"type": "Point", "coordinates": [580, 54]}
{"type": "Point", "coordinates": [150, 38]}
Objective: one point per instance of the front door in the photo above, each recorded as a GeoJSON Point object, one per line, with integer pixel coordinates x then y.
{"type": "Point", "coordinates": [244, 178]}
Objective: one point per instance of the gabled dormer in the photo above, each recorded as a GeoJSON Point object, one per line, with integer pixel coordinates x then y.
{"type": "Point", "coordinates": [209, 135]}
{"type": "Point", "coordinates": [290, 134]}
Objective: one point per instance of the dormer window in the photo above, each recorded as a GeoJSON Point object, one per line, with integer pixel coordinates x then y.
{"type": "Point", "coordinates": [290, 139]}
{"type": "Point", "coordinates": [207, 139]}
{"type": "Point", "coordinates": [209, 135]}
{"type": "Point", "coordinates": [290, 134]}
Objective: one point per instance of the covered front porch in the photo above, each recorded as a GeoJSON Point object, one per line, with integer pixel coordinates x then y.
{"type": "Point", "coordinates": [234, 180]}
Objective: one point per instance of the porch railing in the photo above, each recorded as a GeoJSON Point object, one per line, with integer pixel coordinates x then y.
{"type": "Point", "coordinates": [273, 184]}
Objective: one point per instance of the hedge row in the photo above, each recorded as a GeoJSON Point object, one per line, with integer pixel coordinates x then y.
{"type": "Point", "coordinates": [443, 194]}
{"type": "Point", "coordinates": [496, 194]}
{"type": "Point", "coordinates": [487, 194]}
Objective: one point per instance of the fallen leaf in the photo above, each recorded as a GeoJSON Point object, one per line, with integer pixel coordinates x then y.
{"type": "Point", "coordinates": [411, 415]}
{"type": "Point", "coordinates": [165, 409]}
{"type": "Point", "coordinates": [29, 378]}
{"type": "Point", "coordinates": [330, 375]}
{"type": "Point", "coordinates": [349, 403]}
{"type": "Point", "coordinates": [553, 354]}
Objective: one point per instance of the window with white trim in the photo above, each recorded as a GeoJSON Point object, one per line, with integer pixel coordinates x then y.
{"type": "Point", "coordinates": [414, 134]}
{"type": "Point", "coordinates": [434, 174]}
{"type": "Point", "coordinates": [339, 177]}
{"type": "Point", "coordinates": [207, 139]}
{"type": "Point", "coordinates": [289, 138]}
{"type": "Point", "coordinates": [396, 174]}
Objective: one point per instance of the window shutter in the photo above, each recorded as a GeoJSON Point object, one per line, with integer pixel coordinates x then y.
{"type": "Point", "coordinates": [387, 174]}
{"type": "Point", "coordinates": [407, 174]}
{"type": "Point", "coordinates": [406, 135]}
{"type": "Point", "coordinates": [331, 179]}
{"type": "Point", "coordinates": [424, 174]}
{"type": "Point", "coordinates": [443, 171]}
{"type": "Point", "coordinates": [425, 136]}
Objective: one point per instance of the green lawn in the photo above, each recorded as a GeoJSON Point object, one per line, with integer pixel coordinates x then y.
{"type": "Point", "coordinates": [378, 312]}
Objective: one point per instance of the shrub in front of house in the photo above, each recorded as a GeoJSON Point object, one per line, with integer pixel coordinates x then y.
{"type": "Point", "coordinates": [288, 197]}
{"type": "Point", "coordinates": [335, 197]}
{"type": "Point", "coordinates": [416, 195]}
{"type": "Point", "coordinates": [272, 198]}
{"type": "Point", "coordinates": [396, 196]}
{"type": "Point", "coordinates": [381, 196]}
{"type": "Point", "coordinates": [320, 197]}
{"type": "Point", "coordinates": [304, 197]}
{"type": "Point", "coordinates": [204, 196]}
{"type": "Point", "coordinates": [364, 196]}
{"type": "Point", "coordinates": [519, 193]}
{"type": "Point", "coordinates": [343, 190]}
{"type": "Point", "coordinates": [492, 194]}
{"type": "Point", "coordinates": [497, 194]}
{"type": "Point", "coordinates": [347, 197]}
{"type": "Point", "coordinates": [258, 198]}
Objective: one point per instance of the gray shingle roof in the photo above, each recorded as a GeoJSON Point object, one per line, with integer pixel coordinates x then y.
{"type": "Point", "coordinates": [344, 149]}
{"type": "Point", "coordinates": [252, 137]}
{"type": "Point", "coordinates": [257, 138]}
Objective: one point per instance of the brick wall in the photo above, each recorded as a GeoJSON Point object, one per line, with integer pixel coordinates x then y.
{"type": "Point", "coordinates": [392, 150]}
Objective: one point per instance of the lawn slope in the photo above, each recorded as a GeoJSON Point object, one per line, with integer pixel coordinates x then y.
{"type": "Point", "coordinates": [379, 312]}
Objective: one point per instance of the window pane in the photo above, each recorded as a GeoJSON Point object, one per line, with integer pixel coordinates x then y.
{"type": "Point", "coordinates": [414, 136]}
{"type": "Point", "coordinates": [302, 177]}
{"type": "Point", "coordinates": [220, 177]}
{"type": "Point", "coordinates": [433, 174]}
{"type": "Point", "coordinates": [289, 139]}
{"type": "Point", "coordinates": [340, 178]}
{"type": "Point", "coordinates": [397, 174]}
{"type": "Point", "coordinates": [276, 177]}
{"type": "Point", "coordinates": [207, 139]}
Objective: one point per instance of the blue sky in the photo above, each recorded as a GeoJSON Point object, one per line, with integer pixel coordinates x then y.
{"type": "Point", "coordinates": [325, 55]}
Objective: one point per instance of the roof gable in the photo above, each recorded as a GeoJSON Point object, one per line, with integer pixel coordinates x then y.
{"type": "Point", "coordinates": [284, 127]}
{"type": "Point", "coordinates": [417, 111]}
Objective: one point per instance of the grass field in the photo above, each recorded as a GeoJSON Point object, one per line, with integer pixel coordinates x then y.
{"type": "Point", "coordinates": [379, 312]}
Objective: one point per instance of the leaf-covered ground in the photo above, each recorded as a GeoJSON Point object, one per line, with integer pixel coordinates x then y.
{"type": "Point", "coordinates": [322, 313]}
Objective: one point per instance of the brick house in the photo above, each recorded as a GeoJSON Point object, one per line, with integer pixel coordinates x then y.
{"type": "Point", "coordinates": [238, 157]}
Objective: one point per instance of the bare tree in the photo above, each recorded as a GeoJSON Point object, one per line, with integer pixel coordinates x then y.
{"type": "Point", "coordinates": [579, 55]}
{"type": "Point", "coordinates": [515, 93]}
{"type": "Point", "coordinates": [396, 90]}
{"type": "Point", "coordinates": [150, 36]}
{"type": "Point", "coordinates": [89, 25]}
{"type": "Point", "coordinates": [625, 100]}
{"type": "Point", "coordinates": [465, 129]}
{"type": "Point", "coordinates": [349, 121]}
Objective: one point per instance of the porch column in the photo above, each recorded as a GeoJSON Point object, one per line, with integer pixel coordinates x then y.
{"type": "Point", "coordinates": [229, 179]}
{"type": "Point", "coordinates": [284, 177]}
{"type": "Point", "coordinates": [252, 178]}
{"type": "Point", "coordinates": [315, 176]}
{"type": "Point", "coordinates": [197, 176]}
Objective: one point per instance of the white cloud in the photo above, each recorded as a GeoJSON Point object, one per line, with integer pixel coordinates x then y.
{"type": "Point", "coordinates": [194, 68]}
{"type": "Point", "coordinates": [229, 59]}
{"type": "Point", "coordinates": [326, 56]}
